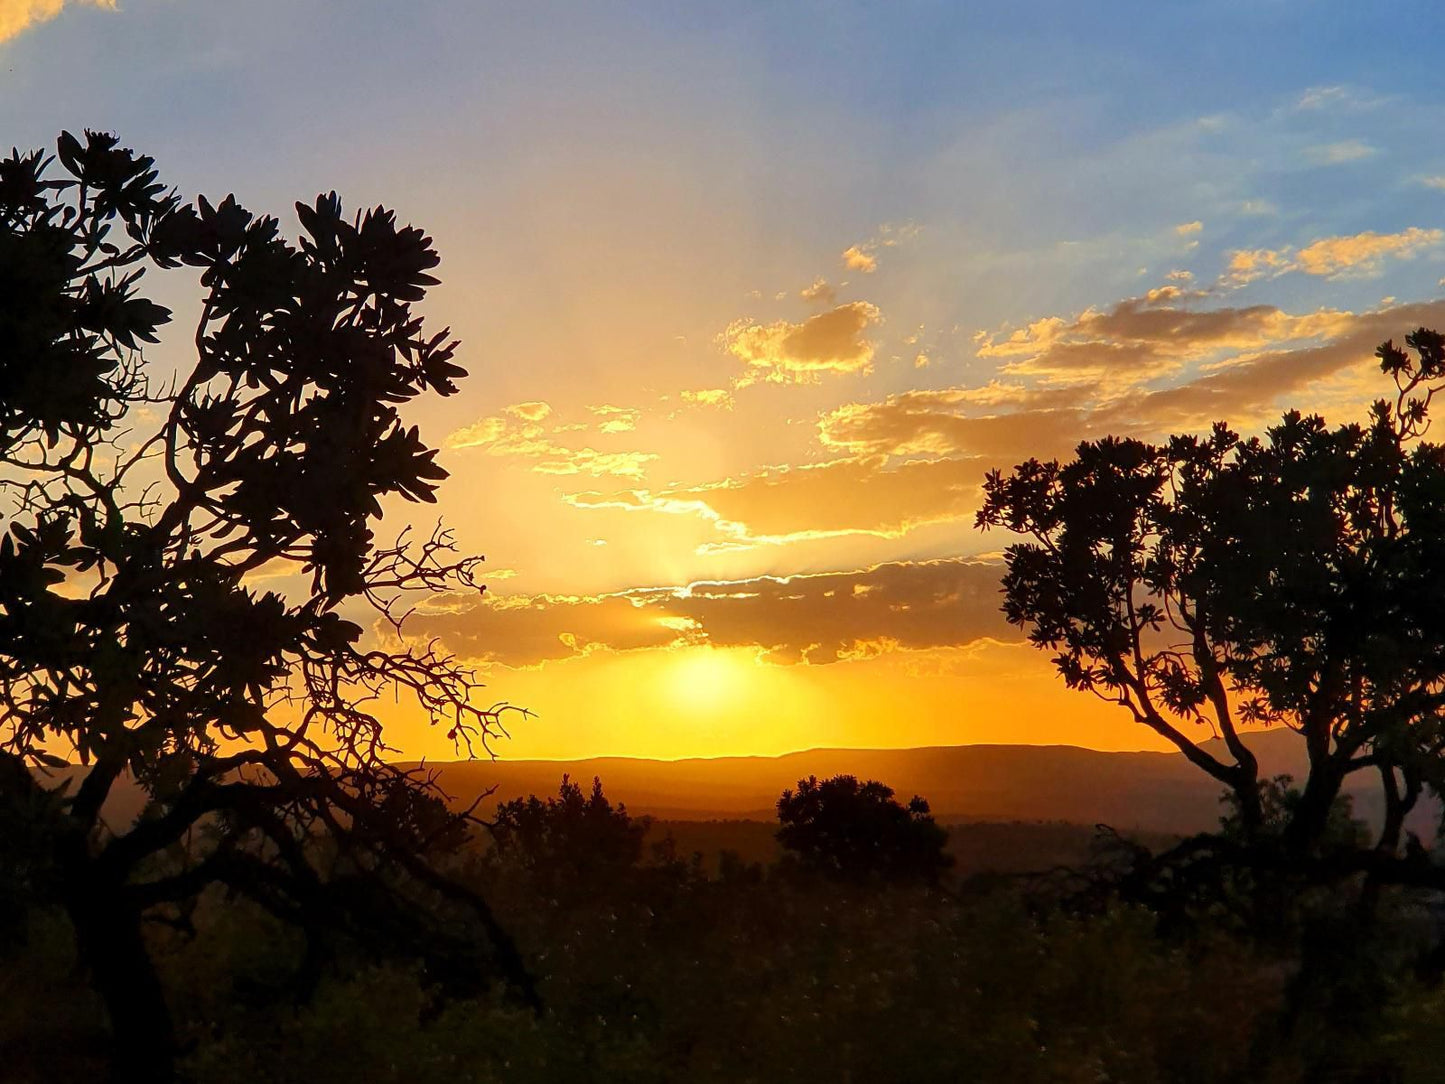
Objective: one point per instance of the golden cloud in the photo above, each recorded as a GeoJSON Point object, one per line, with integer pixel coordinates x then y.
{"type": "Point", "coordinates": [520, 435]}
{"type": "Point", "coordinates": [616, 419]}
{"type": "Point", "coordinates": [780, 505]}
{"type": "Point", "coordinates": [1360, 254]}
{"type": "Point", "coordinates": [860, 258]}
{"type": "Point", "coordinates": [817, 618]}
{"type": "Point", "coordinates": [1145, 337]}
{"type": "Point", "coordinates": [532, 412]}
{"type": "Point", "coordinates": [784, 352]}
{"type": "Point", "coordinates": [713, 397]}
{"type": "Point", "coordinates": [17, 16]}
{"type": "Point", "coordinates": [1047, 420]}
{"type": "Point", "coordinates": [820, 292]}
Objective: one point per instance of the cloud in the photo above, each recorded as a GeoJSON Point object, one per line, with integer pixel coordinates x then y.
{"type": "Point", "coordinates": [1143, 338]}
{"type": "Point", "coordinates": [1355, 255]}
{"type": "Point", "coordinates": [780, 505]}
{"type": "Point", "coordinates": [519, 435]}
{"type": "Point", "coordinates": [17, 16]}
{"type": "Point", "coordinates": [946, 423]}
{"type": "Point", "coordinates": [1335, 154]}
{"type": "Point", "coordinates": [532, 412]}
{"type": "Point", "coordinates": [860, 258]}
{"type": "Point", "coordinates": [1246, 265]}
{"type": "Point", "coordinates": [1275, 358]}
{"type": "Point", "coordinates": [863, 257]}
{"type": "Point", "coordinates": [820, 292]}
{"type": "Point", "coordinates": [1188, 229]}
{"type": "Point", "coordinates": [1437, 182]}
{"type": "Point", "coordinates": [817, 618]}
{"type": "Point", "coordinates": [713, 397]}
{"type": "Point", "coordinates": [1364, 252]}
{"type": "Point", "coordinates": [784, 352]}
{"type": "Point", "coordinates": [1337, 99]}
{"type": "Point", "coordinates": [616, 419]}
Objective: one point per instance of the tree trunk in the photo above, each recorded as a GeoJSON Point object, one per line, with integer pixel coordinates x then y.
{"type": "Point", "coordinates": [108, 935]}
{"type": "Point", "coordinates": [1311, 817]}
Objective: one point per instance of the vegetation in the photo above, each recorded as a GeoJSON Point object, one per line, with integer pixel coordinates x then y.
{"type": "Point", "coordinates": [1290, 580]}
{"type": "Point", "coordinates": [856, 832]}
{"type": "Point", "coordinates": [651, 971]}
{"type": "Point", "coordinates": [138, 508]}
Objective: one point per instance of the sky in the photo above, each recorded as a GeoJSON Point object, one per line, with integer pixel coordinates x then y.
{"type": "Point", "coordinates": [752, 296]}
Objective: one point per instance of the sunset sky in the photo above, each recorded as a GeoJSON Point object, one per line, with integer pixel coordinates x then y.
{"type": "Point", "coordinates": [752, 295]}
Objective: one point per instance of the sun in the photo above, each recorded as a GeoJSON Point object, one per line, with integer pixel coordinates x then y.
{"type": "Point", "coordinates": [704, 678]}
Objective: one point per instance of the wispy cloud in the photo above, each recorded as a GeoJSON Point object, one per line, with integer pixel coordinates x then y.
{"type": "Point", "coordinates": [1335, 154]}
{"type": "Point", "coordinates": [518, 433]}
{"type": "Point", "coordinates": [781, 505]}
{"type": "Point", "coordinates": [1356, 255]}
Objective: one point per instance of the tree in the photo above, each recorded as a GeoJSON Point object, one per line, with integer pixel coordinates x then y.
{"type": "Point", "coordinates": [857, 832]}
{"type": "Point", "coordinates": [1292, 579]}
{"type": "Point", "coordinates": [133, 636]}
{"type": "Point", "coordinates": [573, 835]}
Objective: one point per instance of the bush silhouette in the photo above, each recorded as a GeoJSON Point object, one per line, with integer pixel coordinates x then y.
{"type": "Point", "coordinates": [856, 831]}
{"type": "Point", "coordinates": [573, 834]}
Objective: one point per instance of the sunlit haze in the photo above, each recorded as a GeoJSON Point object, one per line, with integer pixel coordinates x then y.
{"type": "Point", "coordinates": [753, 295]}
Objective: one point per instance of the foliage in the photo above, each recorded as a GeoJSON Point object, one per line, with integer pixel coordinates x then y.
{"type": "Point", "coordinates": [856, 831]}
{"type": "Point", "coordinates": [575, 835]}
{"type": "Point", "coordinates": [1290, 579]}
{"type": "Point", "coordinates": [134, 634]}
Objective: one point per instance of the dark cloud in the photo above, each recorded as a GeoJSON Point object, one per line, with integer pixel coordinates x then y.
{"type": "Point", "coordinates": [816, 618]}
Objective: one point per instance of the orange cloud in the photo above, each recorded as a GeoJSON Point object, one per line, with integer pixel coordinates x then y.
{"type": "Point", "coordinates": [713, 397]}
{"type": "Point", "coordinates": [1361, 254]}
{"type": "Point", "coordinates": [520, 435]}
{"type": "Point", "coordinates": [17, 16]}
{"type": "Point", "coordinates": [616, 419]}
{"type": "Point", "coordinates": [820, 292]}
{"type": "Point", "coordinates": [816, 618]}
{"type": "Point", "coordinates": [784, 352]}
{"type": "Point", "coordinates": [1047, 420]}
{"type": "Point", "coordinates": [780, 505]}
{"type": "Point", "coordinates": [860, 258]}
{"type": "Point", "coordinates": [1144, 337]}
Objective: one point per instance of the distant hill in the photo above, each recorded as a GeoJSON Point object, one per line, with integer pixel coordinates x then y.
{"type": "Point", "coordinates": [1155, 792]}
{"type": "Point", "coordinates": [1158, 792]}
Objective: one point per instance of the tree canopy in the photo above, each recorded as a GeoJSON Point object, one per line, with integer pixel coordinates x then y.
{"type": "Point", "coordinates": [146, 511]}
{"type": "Point", "coordinates": [1214, 582]}
{"type": "Point", "coordinates": [856, 831]}
{"type": "Point", "coordinates": [573, 835]}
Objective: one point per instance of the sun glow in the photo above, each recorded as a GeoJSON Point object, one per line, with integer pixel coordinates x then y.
{"type": "Point", "coordinates": [705, 679]}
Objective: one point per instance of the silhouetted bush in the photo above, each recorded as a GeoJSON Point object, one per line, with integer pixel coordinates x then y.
{"type": "Point", "coordinates": [856, 831]}
{"type": "Point", "coordinates": [580, 835]}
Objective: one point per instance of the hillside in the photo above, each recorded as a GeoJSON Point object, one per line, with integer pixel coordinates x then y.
{"type": "Point", "coordinates": [1158, 792]}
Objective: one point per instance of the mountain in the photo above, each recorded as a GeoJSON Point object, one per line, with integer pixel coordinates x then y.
{"type": "Point", "coordinates": [1159, 792]}
{"type": "Point", "coordinates": [1156, 792]}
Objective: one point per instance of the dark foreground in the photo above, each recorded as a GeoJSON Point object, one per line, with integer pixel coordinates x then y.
{"type": "Point", "coordinates": [724, 970]}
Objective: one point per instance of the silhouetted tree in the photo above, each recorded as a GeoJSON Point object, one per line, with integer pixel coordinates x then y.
{"type": "Point", "coordinates": [135, 631]}
{"type": "Point", "coordinates": [857, 831]}
{"type": "Point", "coordinates": [573, 834]}
{"type": "Point", "coordinates": [1293, 579]}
